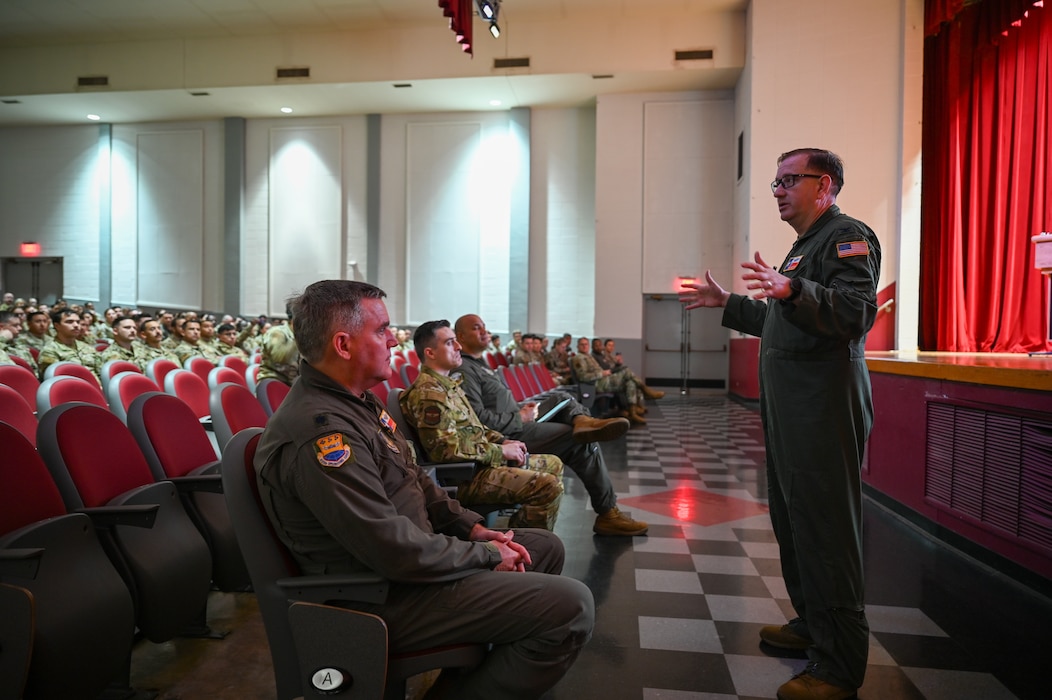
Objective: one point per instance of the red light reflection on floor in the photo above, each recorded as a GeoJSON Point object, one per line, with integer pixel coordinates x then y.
{"type": "Point", "coordinates": [695, 506]}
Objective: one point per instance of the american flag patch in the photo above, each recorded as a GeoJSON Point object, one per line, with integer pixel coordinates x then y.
{"type": "Point", "coordinates": [846, 250]}
{"type": "Point", "coordinates": [792, 263]}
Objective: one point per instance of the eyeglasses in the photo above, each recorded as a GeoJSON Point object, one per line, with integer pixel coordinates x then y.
{"type": "Point", "coordinates": [788, 181]}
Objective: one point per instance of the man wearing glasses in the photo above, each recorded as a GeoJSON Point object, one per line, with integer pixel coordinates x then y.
{"type": "Point", "coordinates": [812, 314]}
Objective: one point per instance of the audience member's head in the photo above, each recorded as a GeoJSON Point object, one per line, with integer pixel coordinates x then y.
{"type": "Point", "coordinates": [38, 323]}
{"type": "Point", "coordinates": [471, 334]}
{"type": "Point", "coordinates": [67, 326]}
{"type": "Point", "coordinates": [124, 331]}
{"type": "Point", "coordinates": [151, 332]}
{"type": "Point", "coordinates": [330, 308]}
{"type": "Point", "coordinates": [437, 347]}
{"type": "Point", "coordinates": [227, 334]}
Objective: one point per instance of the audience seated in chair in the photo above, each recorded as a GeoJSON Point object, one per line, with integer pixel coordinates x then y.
{"type": "Point", "coordinates": [450, 431]}
{"type": "Point", "coordinates": [571, 434]}
{"type": "Point", "coordinates": [65, 347]}
{"type": "Point", "coordinates": [344, 494]}
{"type": "Point", "coordinates": [125, 334]}
{"type": "Point", "coordinates": [152, 348]}
{"type": "Point", "coordinates": [629, 388]}
{"type": "Point", "coordinates": [10, 331]}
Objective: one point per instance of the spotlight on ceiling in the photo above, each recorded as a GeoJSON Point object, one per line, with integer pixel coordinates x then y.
{"type": "Point", "coordinates": [488, 10]}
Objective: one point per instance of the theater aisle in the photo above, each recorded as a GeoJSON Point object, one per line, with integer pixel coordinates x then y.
{"type": "Point", "coordinates": [679, 611]}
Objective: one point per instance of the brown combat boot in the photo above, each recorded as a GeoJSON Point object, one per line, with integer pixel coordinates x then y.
{"type": "Point", "coordinates": [652, 393]}
{"type": "Point", "coordinates": [804, 686]}
{"type": "Point", "coordinates": [636, 415]}
{"type": "Point", "coordinates": [588, 429]}
{"type": "Point", "coordinates": [614, 522]}
{"type": "Point", "coordinates": [784, 637]}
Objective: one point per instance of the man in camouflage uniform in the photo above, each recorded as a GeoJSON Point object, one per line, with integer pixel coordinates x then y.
{"type": "Point", "coordinates": [529, 350]}
{"type": "Point", "coordinates": [281, 358]}
{"type": "Point", "coordinates": [571, 434]}
{"type": "Point", "coordinates": [558, 361]}
{"type": "Point", "coordinates": [151, 333]}
{"type": "Point", "coordinates": [123, 345]}
{"type": "Point", "coordinates": [191, 344]}
{"type": "Point", "coordinates": [451, 432]}
{"type": "Point", "coordinates": [65, 347]}
{"type": "Point", "coordinates": [629, 388]}
{"type": "Point", "coordinates": [10, 330]}
{"type": "Point", "coordinates": [35, 335]}
{"type": "Point", "coordinates": [175, 334]}
{"type": "Point", "coordinates": [226, 341]}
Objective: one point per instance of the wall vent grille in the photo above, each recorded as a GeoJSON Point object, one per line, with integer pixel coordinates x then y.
{"type": "Point", "coordinates": [992, 467]}
{"type": "Point", "coordinates": [293, 73]}
{"type": "Point", "coordinates": [93, 81]}
{"type": "Point", "coordinates": [695, 55]}
{"type": "Point", "coordinates": [511, 62]}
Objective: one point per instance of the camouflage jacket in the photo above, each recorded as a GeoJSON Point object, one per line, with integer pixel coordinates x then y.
{"type": "Point", "coordinates": [116, 352]}
{"type": "Point", "coordinates": [448, 427]}
{"type": "Point", "coordinates": [81, 353]}
{"type": "Point", "coordinates": [586, 369]}
{"type": "Point", "coordinates": [145, 353]}
{"type": "Point", "coordinates": [281, 357]}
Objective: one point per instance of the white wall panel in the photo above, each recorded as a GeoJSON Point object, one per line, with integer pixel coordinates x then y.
{"type": "Point", "coordinates": [562, 221]}
{"type": "Point", "coordinates": [688, 179]}
{"type": "Point", "coordinates": [305, 210]}
{"type": "Point", "coordinates": [49, 194]}
{"type": "Point", "coordinates": [443, 224]}
{"type": "Point", "coordinates": [170, 218]}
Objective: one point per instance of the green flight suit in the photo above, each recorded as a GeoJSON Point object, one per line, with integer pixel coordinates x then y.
{"type": "Point", "coordinates": [816, 408]}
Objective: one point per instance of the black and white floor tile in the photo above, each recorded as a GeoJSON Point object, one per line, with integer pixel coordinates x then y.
{"type": "Point", "coordinates": [679, 611]}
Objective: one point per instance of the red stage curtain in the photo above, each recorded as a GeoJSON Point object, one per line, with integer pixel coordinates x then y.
{"type": "Point", "coordinates": [985, 190]}
{"type": "Point", "coordinates": [460, 20]}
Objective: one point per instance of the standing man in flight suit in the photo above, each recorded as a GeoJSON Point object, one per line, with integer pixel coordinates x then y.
{"type": "Point", "coordinates": [812, 314]}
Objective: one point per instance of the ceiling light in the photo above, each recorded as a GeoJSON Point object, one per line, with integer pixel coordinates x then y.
{"type": "Point", "coordinates": [286, 110]}
{"type": "Point", "coordinates": [495, 103]}
{"type": "Point", "coordinates": [494, 30]}
{"type": "Point", "coordinates": [94, 117]}
{"type": "Point", "coordinates": [488, 9]}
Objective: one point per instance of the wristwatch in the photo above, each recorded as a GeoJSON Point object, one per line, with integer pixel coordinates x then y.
{"type": "Point", "coordinates": [795, 285]}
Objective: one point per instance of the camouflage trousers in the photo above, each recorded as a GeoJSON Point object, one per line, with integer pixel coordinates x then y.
{"type": "Point", "coordinates": [537, 489]}
{"type": "Point", "coordinates": [626, 384]}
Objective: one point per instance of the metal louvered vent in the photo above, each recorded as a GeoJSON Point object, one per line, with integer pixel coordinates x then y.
{"type": "Point", "coordinates": [293, 73]}
{"type": "Point", "coordinates": [694, 55]}
{"type": "Point", "coordinates": [511, 62]}
{"type": "Point", "coordinates": [993, 467]}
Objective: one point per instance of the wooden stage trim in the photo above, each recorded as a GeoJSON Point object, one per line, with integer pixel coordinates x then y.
{"type": "Point", "coordinates": [1015, 371]}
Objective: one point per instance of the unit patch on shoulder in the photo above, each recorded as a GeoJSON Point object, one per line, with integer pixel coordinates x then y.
{"type": "Point", "coordinates": [846, 250]}
{"type": "Point", "coordinates": [432, 415]}
{"type": "Point", "coordinates": [792, 263]}
{"type": "Point", "coordinates": [332, 451]}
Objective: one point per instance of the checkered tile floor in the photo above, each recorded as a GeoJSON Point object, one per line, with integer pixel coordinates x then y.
{"type": "Point", "coordinates": [679, 611]}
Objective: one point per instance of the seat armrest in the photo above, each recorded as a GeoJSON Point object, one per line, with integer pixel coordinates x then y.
{"type": "Point", "coordinates": [20, 563]}
{"type": "Point", "coordinates": [208, 483]}
{"type": "Point", "coordinates": [364, 588]}
{"type": "Point", "coordinates": [105, 517]}
{"type": "Point", "coordinates": [453, 473]}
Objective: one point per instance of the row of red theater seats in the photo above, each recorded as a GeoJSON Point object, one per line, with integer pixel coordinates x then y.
{"type": "Point", "coordinates": [70, 611]}
{"type": "Point", "coordinates": [122, 466]}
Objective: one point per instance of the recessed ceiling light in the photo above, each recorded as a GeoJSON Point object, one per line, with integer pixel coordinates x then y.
{"type": "Point", "coordinates": [94, 117]}
{"type": "Point", "coordinates": [286, 110]}
{"type": "Point", "coordinates": [495, 103]}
